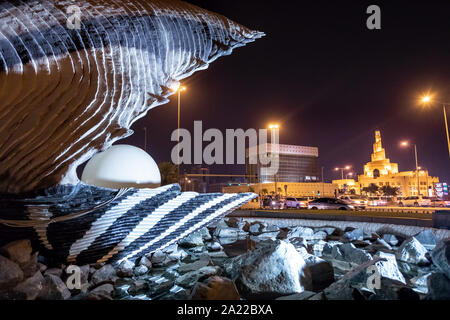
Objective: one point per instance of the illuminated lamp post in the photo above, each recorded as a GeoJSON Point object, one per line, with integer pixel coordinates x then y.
{"type": "Point", "coordinates": [406, 144]}
{"type": "Point", "coordinates": [273, 130]}
{"type": "Point", "coordinates": [342, 170]}
{"type": "Point", "coordinates": [428, 99]}
{"type": "Point", "coordinates": [178, 88]}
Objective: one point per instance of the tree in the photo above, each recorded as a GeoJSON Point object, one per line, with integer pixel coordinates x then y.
{"type": "Point", "coordinates": [264, 191]}
{"type": "Point", "coordinates": [371, 189]}
{"type": "Point", "coordinates": [169, 173]}
{"type": "Point", "coordinates": [250, 189]}
{"type": "Point", "coordinates": [389, 191]}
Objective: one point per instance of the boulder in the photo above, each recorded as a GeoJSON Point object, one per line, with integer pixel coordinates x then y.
{"type": "Point", "coordinates": [420, 283]}
{"type": "Point", "coordinates": [329, 230]}
{"type": "Point", "coordinates": [438, 286]}
{"type": "Point", "coordinates": [215, 288]}
{"type": "Point", "coordinates": [10, 273]}
{"type": "Point", "coordinates": [193, 240]}
{"type": "Point", "coordinates": [441, 256]}
{"type": "Point", "coordinates": [271, 271]}
{"type": "Point", "coordinates": [356, 234]}
{"type": "Point", "coordinates": [18, 251]}
{"type": "Point", "coordinates": [300, 232]}
{"type": "Point", "coordinates": [125, 269]}
{"type": "Point", "coordinates": [104, 274]}
{"type": "Point", "coordinates": [54, 289]}
{"type": "Point", "coordinates": [328, 247]}
{"type": "Point", "coordinates": [394, 290]}
{"type": "Point", "coordinates": [349, 253]}
{"type": "Point", "coordinates": [232, 222]}
{"type": "Point", "coordinates": [54, 272]}
{"type": "Point", "coordinates": [179, 254]}
{"type": "Point", "coordinates": [103, 292]}
{"type": "Point", "coordinates": [160, 286]}
{"type": "Point", "coordinates": [427, 238]}
{"type": "Point", "coordinates": [256, 228]}
{"type": "Point", "coordinates": [239, 247]}
{"type": "Point", "coordinates": [144, 261]}
{"type": "Point", "coordinates": [214, 246]}
{"type": "Point", "coordinates": [189, 279]}
{"type": "Point", "coordinates": [188, 267]}
{"type": "Point", "coordinates": [412, 251]}
{"type": "Point", "coordinates": [139, 286]}
{"type": "Point", "coordinates": [319, 235]}
{"type": "Point", "coordinates": [226, 235]}
{"type": "Point", "coordinates": [30, 288]}
{"type": "Point", "coordinates": [140, 270]}
{"type": "Point", "coordinates": [30, 267]}
{"type": "Point", "coordinates": [298, 243]}
{"type": "Point", "coordinates": [391, 239]}
{"type": "Point", "coordinates": [317, 248]}
{"type": "Point", "coordinates": [159, 258]}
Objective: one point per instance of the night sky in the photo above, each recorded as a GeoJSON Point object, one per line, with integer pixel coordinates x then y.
{"type": "Point", "coordinates": [327, 79]}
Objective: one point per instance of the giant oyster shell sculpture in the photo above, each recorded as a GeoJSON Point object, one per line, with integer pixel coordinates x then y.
{"type": "Point", "coordinates": [67, 93]}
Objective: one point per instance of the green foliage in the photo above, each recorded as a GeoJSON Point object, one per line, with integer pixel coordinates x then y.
{"type": "Point", "coordinates": [389, 191]}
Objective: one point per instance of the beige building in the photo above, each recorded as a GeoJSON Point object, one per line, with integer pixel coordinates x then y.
{"type": "Point", "coordinates": [382, 172]}
{"type": "Point", "coordinates": [293, 189]}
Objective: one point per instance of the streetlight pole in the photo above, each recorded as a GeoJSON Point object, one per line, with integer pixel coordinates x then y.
{"type": "Point", "coordinates": [446, 129]}
{"type": "Point", "coordinates": [417, 170]}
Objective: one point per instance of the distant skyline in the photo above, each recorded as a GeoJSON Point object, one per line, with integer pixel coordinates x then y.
{"type": "Point", "coordinates": [328, 80]}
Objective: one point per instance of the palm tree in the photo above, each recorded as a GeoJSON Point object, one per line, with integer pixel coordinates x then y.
{"type": "Point", "coordinates": [169, 173]}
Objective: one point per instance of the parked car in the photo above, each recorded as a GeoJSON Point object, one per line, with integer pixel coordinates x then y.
{"type": "Point", "coordinates": [329, 204]}
{"type": "Point", "coordinates": [273, 203]}
{"type": "Point", "coordinates": [377, 201]}
{"type": "Point", "coordinates": [435, 202]}
{"type": "Point", "coordinates": [415, 201]}
{"type": "Point", "coordinates": [292, 202]}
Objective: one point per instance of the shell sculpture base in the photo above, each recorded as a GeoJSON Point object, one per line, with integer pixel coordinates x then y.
{"type": "Point", "coordinates": [133, 224]}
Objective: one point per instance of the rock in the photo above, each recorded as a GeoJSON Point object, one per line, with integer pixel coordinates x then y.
{"type": "Point", "coordinates": [356, 234]}
{"type": "Point", "coordinates": [158, 258]}
{"type": "Point", "coordinates": [298, 243]}
{"type": "Point", "coordinates": [412, 251]}
{"type": "Point", "coordinates": [105, 273]}
{"type": "Point", "coordinates": [393, 290]}
{"type": "Point", "coordinates": [349, 253]}
{"type": "Point", "coordinates": [140, 270]}
{"type": "Point", "coordinates": [18, 251]}
{"type": "Point", "coordinates": [322, 273]}
{"type": "Point", "coordinates": [214, 246]}
{"type": "Point", "coordinates": [387, 269]}
{"type": "Point", "coordinates": [103, 292]}
{"type": "Point", "coordinates": [188, 267]}
{"type": "Point", "coordinates": [317, 248]}
{"type": "Point", "coordinates": [256, 228]}
{"type": "Point", "coordinates": [10, 273]}
{"type": "Point", "coordinates": [266, 236]}
{"type": "Point", "coordinates": [438, 286]}
{"type": "Point", "coordinates": [189, 279]}
{"type": "Point", "coordinates": [319, 235]}
{"type": "Point", "coordinates": [441, 256]}
{"type": "Point", "coordinates": [391, 239]}
{"type": "Point", "coordinates": [144, 261]}
{"type": "Point", "coordinates": [206, 236]}
{"type": "Point", "coordinates": [305, 295]}
{"type": "Point", "coordinates": [179, 255]}
{"type": "Point", "coordinates": [300, 232]}
{"type": "Point", "coordinates": [420, 283]}
{"type": "Point", "coordinates": [232, 222]}
{"type": "Point", "coordinates": [30, 267]}
{"type": "Point", "coordinates": [329, 230]}
{"type": "Point", "coordinates": [427, 238]}
{"type": "Point", "coordinates": [138, 287]}
{"type": "Point", "coordinates": [193, 240]}
{"type": "Point", "coordinates": [170, 249]}
{"type": "Point", "coordinates": [54, 289]}
{"type": "Point", "coordinates": [226, 235]}
{"type": "Point", "coordinates": [160, 286]}
{"type": "Point", "coordinates": [30, 288]}
{"type": "Point", "coordinates": [239, 247]}
{"type": "Point", "coordinates": [271, 271]}
{"type": "Point", "coordinates": [328, 247]}
{"type": "Point", "coordinates": [215, 288]}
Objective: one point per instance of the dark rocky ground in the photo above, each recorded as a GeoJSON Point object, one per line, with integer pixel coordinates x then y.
{"type": "Point", "coordinates": [236, 260]}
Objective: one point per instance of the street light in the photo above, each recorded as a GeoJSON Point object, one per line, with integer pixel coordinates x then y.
{"type": "Point", "coordinates": [427, 99]}
{"type": "Point", "coordinates": [178, 88]}
{"type": "Point", "coordinates": [342, 170]}
{"type": "Point", "coordinates": [406, 144]}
